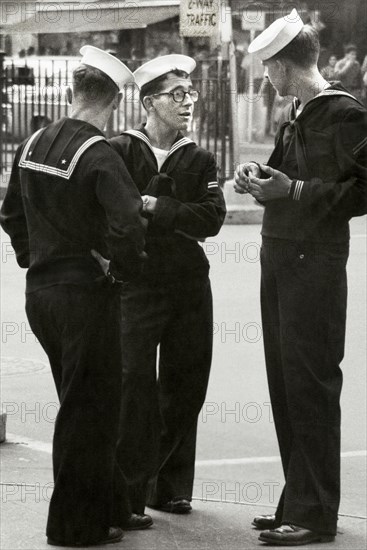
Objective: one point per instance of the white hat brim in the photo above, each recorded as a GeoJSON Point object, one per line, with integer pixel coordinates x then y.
{"type": "Point", "coordinates": [108, 64]}
{"type": "Point", "coordinates": [162, 65]}
{"type": "Point", "coordinates": [278, 35]}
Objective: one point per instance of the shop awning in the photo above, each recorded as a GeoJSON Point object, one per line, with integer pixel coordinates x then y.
{"type": "Point", "coordinates": [52, 17]}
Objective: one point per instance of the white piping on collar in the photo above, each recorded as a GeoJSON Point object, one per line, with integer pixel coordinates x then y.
{"type": "Point", "coordinates": [326, 92]}
{"type": "Point", "coordinates": [139, 135]}
{"type": "Point", "coordinates": [52, 170]}
{"type": "Point", "coordinates": [331, 91]}
{"type": "Point", "coordinates": [177, 145]}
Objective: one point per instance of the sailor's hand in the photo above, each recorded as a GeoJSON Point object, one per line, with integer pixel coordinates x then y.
{"type": "Point", "coordinates": [277, 186]}
{"type": "Point", "coordinates": [105, 264]}
{"type": "Point", "coordinates": [241, 176]}
{"type": "Point", "coordinates": [149, 203]}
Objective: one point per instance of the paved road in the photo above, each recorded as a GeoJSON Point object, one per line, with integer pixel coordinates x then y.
{"type": "Point", "coordinates": [237, 458]}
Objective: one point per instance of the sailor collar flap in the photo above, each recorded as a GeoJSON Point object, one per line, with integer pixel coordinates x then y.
{"type": "Point", "coordinates": [181, 141]}
{"type": "Point", "coordinates": [328, 92]}
{"type": "Point", "coordinates": [46, 151]}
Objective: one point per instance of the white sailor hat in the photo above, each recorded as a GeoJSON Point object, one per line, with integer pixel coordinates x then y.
{"type": "Point", "coordinates": [162, 65]}
{"type": "Point", "coordinates": [276, 36]}
{"type": "Point", "coordinates": [108, 64]}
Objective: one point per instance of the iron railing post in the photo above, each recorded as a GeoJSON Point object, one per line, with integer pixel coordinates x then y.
{"type": "Point", "coordinates": [2, 119]}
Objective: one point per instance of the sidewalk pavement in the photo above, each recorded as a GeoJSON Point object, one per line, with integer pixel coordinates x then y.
{"type": "Point", "coordinates": [26, 483]}
{"type": "Point", "coordinates": [213, 525]}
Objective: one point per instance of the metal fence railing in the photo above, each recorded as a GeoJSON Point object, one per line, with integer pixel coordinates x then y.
{"type": "Point", "coordinates": [33, 93]}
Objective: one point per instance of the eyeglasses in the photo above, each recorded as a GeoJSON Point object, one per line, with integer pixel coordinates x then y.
{"type": "Point", "coordinates": [179, 95]}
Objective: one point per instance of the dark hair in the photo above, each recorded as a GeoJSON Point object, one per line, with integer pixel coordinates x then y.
{"type": "Point", "coordinates": [350, 48]}
{"type": "Point", "coordinates": [92, 85]}
{"type": "Point", "coordinates": [303, 50]}
{"type": "Point", "coordinates": [156, 85]}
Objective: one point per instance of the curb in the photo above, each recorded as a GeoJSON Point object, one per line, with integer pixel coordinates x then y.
{"type": "Point", "coordinates": [241, 209]}
{"type": "Point", "coordinates": [2, 427]}
{"type": "Point", "coordinates": [243, 215]}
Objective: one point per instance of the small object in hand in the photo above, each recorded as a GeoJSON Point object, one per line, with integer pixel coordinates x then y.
{"type": "Point", "coordinates": [145, 199]}
{"type": "Point", "coordinates": [110, 277]}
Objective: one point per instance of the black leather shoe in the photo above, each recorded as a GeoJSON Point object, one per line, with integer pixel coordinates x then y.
{"type": "Point", "coordinates": [137, 521]}
{"type": "Point", "coordinates": [115, 534]}
{"type": "Point", "coordinates": [179, 506]}
{"type": "Point", "coordinates": [291, 535]}
{"type": "Point", "coordinates": [265, 522]}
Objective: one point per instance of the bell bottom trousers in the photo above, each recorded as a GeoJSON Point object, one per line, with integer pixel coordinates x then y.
{"type": "Point", "coordinates": [160, 411]}
{"type": "Point", "coordinates": [80, 330]}
{"type": "Point", "coordinates": [303, 302]}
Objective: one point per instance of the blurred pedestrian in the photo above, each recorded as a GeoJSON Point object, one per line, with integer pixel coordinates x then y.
{"type": "Point", "coordinates": [150, 52]}
{"type": "Point", "coordinates": [69, 193]}
{"type": "Point", "coordinates": [164, 49]}
{"type": "Point", "coordinates": [348, 71]}
{"type": "Point", "coordinates": [328, 72]}
{"type": "Point", "coordinates": [314, 182]}
{"type": "Point", "coordinates": [241, 53]}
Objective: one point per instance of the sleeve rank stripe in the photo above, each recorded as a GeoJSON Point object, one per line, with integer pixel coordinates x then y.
{"type": "Point", "coordinates": [360, 146]}
{"type": "Point", "coordinates": [298, 190]}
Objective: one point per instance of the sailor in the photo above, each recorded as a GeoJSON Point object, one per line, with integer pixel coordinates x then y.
{"type": "Point", "coordinates": [312, 185]}
{"type": "Point", "coordinates": [170, 304]}
{"type": "Point", "coordinates": [70, 193]}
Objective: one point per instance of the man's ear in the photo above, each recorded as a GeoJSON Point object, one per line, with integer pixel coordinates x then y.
{"type": "Point", "coordinates": [117, 100]}
{"type": "Point", "coordinates": [148, 103]}
{"type": "Point", "coordinates": [285, 69]}
{"type": "Point", "coordinates": [69, 95]}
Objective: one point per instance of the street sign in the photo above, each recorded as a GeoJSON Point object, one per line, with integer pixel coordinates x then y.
{"type": "Point", "coordinates": [226, 33]}
{"type": "Point", "coordinates": [199, 17]}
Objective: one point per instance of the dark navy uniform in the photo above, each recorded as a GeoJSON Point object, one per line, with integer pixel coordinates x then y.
{"type": "Point", "coordinates": [68, 193]}
{"type": "Point", "coordinates": [304, 294]}
{"type": "Point", "coordinates": [169, 305]}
